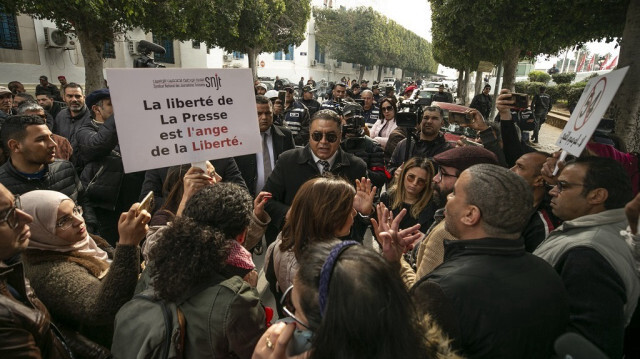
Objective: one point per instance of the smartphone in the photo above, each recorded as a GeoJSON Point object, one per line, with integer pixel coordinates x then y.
{"type": "Point", "coordinates": [146, 204]}
{"type": "Point", "coordinates": [281, 96]}
{"type": "Point", "coordinates": [461, 118]}
{"type": "Point", "coordinates": [522, 100]}
{"type": "Point", "coordinates": [471, 143]}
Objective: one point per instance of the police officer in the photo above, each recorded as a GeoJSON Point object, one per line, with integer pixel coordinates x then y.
{"type": "Point", "coordinates": [295, 117]}
{"type": "Point", "coordinates": [370, 111]}
{"type": "Point", "coordinates": [307, 99]}
{"type": "Point", "coordinates": [357, 143]}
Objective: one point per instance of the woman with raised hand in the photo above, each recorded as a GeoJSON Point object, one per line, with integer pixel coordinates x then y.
{"type": "Point", "coordinates": [80, 278]}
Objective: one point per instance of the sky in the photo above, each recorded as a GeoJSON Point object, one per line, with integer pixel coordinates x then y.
{"type": "Point", "coordinates": [415, 15]}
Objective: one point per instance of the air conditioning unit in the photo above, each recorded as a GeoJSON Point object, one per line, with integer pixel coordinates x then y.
{"type": "Point", "coordinates": [228, 58]}
{"type": "Point", "coordinates": [133, 47]}
{"type": "Point", "coordinates": [313, 62]}
{"type": "Point", "coordinates": [54, 38]}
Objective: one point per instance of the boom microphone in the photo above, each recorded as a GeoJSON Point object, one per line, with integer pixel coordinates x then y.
{"type": "Point", "coordinates": [146, 47]}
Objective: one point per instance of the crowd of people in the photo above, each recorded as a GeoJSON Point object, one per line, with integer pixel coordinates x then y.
{"type": "Point", "coordinates": [490, 251]}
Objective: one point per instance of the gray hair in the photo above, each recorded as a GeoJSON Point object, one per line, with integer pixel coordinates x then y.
{"type": "Point", "coordinates": [29, 106]}
{"type": "Point", "coordinates": [366, 92]}
{"type": "Point", "coordinates": [505, 199]}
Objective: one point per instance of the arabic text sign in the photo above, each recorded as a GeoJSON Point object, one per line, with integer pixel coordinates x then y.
{"type": "Point", "coordinates": [591, 107]}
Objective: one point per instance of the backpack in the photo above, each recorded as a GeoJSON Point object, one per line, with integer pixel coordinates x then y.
{"type": "Point", "coordinates": [148, 327]}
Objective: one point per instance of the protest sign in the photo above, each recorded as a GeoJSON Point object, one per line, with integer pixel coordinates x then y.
{"type": "Point", "coordinates": [592, 105]}
{"type": "Point", "coordinates": [167, 117]}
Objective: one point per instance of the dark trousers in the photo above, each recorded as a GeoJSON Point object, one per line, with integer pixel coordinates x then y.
{"type": "Point", "coordinates": [539, 121]}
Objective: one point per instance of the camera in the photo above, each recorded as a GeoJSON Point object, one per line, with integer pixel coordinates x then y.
{"type": "Point", "coordinates": [410, 110]}
{"type": "Point", "coordinates": [353, 140]}
{"type": "Point", "coordinates": [522, 100]}
{"type": "Point", "coordinates": [145, 48]}
{"type": "Point", "coordinates": [460, 118]}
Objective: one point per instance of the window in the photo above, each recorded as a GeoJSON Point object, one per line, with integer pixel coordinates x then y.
{"type": "Point", "coordinates": [168, 46]}
{"type": "Point", "coordinates": [238, 55]}
{"type": "Point", "coordinates": [355, 66]}
{"type": "Point", "coordinates": [277, 55]}
{"type": "Point", "coordinates": [108, 51]}
{"type": "Point", "coordinates": [319, 56]}
{"type": "Point", "coordinates": [339, 64]}
{"type": "Point", "coordinates": [195, 44]}
{"type": "Point", "coordinates": [9, 36]}
{"type": "Point", "coordinates": [369, 68]}
{"type": "Point", "coordinates": [289, 55]}
{"type": "Point", "coordinates": [393, 71]}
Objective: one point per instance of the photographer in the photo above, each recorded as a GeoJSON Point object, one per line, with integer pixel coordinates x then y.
{"type": "Point", "coordinates": [429, 143]}
{"type": "Point", "coordinates": [338, 93]}
{"type": "Point", "coordinates": [295, 116]}
{"type": "Point", "coordinates": [356, 142]}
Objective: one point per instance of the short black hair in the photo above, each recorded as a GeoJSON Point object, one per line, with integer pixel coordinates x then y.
{"type": "Point", "coordinates": [25, 96]}
{"type": "Point", "coordinates": [262, 100]}
{"type": "Point", "coordinates": [13, 86]}
{"type": "Point", "coordinates": [327, 115]}
{"type": "Point", "coordinates": [15, 128]}
{"type": "Point", "coordinates": [607, 173]}
{"type": "Point", "coordinates": [73, 85]}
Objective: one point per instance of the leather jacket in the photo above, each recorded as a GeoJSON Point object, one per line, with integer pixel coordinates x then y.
{"type": "Point", "coordinates": [26, 330]}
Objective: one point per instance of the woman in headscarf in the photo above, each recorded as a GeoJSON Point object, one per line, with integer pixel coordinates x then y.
{"type": "Point", "coordinates": [80, 278]}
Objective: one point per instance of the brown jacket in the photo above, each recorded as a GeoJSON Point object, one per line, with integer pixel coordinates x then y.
{"type": "Point", "coordinates": [25, 326]}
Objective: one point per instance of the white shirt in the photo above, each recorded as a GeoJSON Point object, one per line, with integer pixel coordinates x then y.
{"type": "Point", "coordinates": [331, 160]}
{"type": "Point", "coordinates": [260, 180]}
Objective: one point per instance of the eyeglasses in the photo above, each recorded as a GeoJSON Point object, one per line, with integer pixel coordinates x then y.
{"type": "Point", "coordinates": [288, 307]}
{"type": "Point", "coordinates": [12, 215]}
{"type": "Point", "coordinates": [442, 174]}
{"type": "Point", "coordinates": [562, 185]}
{"type": "Point", "coordinates": [65, 222]}
{"type": "Point", "coordinates": [387, 108]}
{"type": "Point", "coordinates": [289, 90]}
{"type": "Point", "coordinates": [330, 136]}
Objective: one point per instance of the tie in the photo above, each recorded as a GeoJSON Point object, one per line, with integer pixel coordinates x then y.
{"type": "Point", "coordinates": [266, 158]}
{"type": "Point", "coordinates": [325, 166]}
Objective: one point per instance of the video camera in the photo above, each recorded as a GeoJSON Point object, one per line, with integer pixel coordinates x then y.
{"type": "Point", "coordinates": [338, 105]}
{"type": "Point", "coordinates": [410, 110]}
{"type": "Point", "coordinates": [145, 48]}
{"type": "Point", "coordinates": [353, 140]}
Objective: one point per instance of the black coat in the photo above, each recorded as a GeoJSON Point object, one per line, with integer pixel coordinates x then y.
{"type": "Point", "coordinates": [282, 141]}
{"type": "Point", "coordinates": [154, 179]}
{"type": "Point", "coordinates": [60, 176]}
{"type": "Point", "coordinates": [495, 300]}
{"type": "Point", "coordinates": [292, 170]}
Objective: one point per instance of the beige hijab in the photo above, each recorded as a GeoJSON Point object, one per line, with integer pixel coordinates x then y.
{"type": "Point", "coordinates": [43, 206]}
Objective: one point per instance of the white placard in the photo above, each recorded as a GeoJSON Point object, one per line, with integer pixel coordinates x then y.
{"type": "Point", "coordinates": [592, 105]}
{"type": "Point", "coordinates": [167, 117]}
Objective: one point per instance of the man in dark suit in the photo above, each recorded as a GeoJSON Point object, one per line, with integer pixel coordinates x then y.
{"type": "Point", "coordinates": [256, 168]}
{"type": "Point", "coordinates": [323, 154]}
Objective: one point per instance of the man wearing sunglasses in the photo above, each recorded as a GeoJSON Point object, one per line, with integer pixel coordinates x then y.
{"type": "Point", "coordinates": [25, 325]}
{"type": "Point", "coordinates": [295, 117]}
{"type": "Point", "coordinates": [588, 251]}
{"type": "Point", "coordinates": [322, 155]}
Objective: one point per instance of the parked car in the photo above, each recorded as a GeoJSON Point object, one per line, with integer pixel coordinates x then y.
{"type": "Point", "coordinates": [387, 81]}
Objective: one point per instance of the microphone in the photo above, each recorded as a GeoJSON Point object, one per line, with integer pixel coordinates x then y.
{"type": "Point", "coordinates": [146, 47]}
{"type": "Point", "coordinates": [575, 346]}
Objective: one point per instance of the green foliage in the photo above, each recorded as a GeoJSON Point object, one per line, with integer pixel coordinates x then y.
{"type": "Point", "coordinates": [574, 93]}
{"type": "Point", "coordinates": [558, 92]}
{"type": "Point", "coordinates": [539, 76]}
{"type": "Point", "coordinates": [564, 78]}
{"type": "Point", "coordinates": [528, 87]}
{"type": "Point", "coordinates": [363, 36]}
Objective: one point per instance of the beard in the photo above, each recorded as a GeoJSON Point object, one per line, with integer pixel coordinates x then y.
{"type": "Point", "coordinates": [439, 197]}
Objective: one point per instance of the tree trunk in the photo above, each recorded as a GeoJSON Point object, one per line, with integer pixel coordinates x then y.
{"type": "Point", "coordinates": [362, 68]}
{"type": "Point", "coordinates": [380, 76]}
{"type": "Point", "coordinates": [478, 85]}
{"type": "Point", "coordinates": [253, 56]}
{"type": "Point", "coordinates": [511, 58]}
{"type": "Point", "coordinates": [496, 92]}
{"type": "Point", "coordinates": [92, 56]}
{"type": "Point", "coordinates": [460, 88]}
{"type": "Point", "coordinates": [625, 107]}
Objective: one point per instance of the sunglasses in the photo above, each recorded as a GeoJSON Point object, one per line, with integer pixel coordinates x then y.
{"type": "Point", "coordinates": [331, 137]}
{"type": "Point", "coordinates": [387, 108]}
